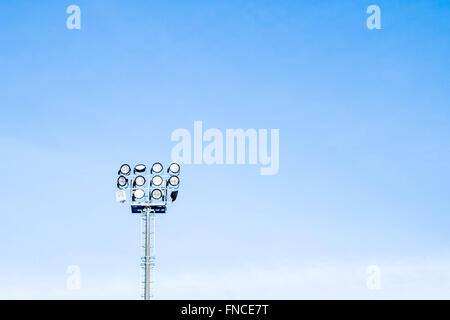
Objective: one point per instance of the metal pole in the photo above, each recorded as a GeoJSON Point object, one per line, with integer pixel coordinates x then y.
{"type": "Point", "coordinates": [147, 256]}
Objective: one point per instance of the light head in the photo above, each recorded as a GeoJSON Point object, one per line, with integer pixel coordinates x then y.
{"type": "Point", "coordinates": [174, 181]}
{"type": "Point", "coordinates": [125, 170]}
{"type": "Point", "coordinates": [140, 168]}
{"type": "Point", "coordinates": [156, 194]}
{"type": "Point", "coordinates": [174, 169]}
{"type": "Point", "coordinates": [157, 167]}
{"type": "Point", "coordinates": [122, 182]}
{"type": "Point", "coordinates": [139, 181]}
{"type": "Point", "coordinates": [138, 194]}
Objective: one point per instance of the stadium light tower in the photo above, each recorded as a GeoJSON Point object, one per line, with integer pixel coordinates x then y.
{"type": "Point", "coordinates": [148, 192]}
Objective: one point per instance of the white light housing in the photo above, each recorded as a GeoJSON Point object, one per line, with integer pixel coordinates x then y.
{"type": "Point", "coordinates": [125, 169]}
{"type": "Point", "coordinates": [139, 193]}
{"type": "Point", "coordinates": [174, 181]}
{"type": "Point", "coordinates": [157, 181]}
{"type": "Point", "coordinates": [121, 196]}
{"type": "Point", "coordinates": [156, 194]}
{"type": "Point", "coordinates": [174, 168]}
{"type": "Point", "coordinates": [139, 181]}
{"type": "Point", "coordinates": [157, 167]}
{"type": "Point", "coordinates": [140, 168]}
{"type": "Point", "coordinates": [122, 182]}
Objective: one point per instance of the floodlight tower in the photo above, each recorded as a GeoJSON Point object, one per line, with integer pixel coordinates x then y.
{"type": "Point", "coordinates": [147, 192]}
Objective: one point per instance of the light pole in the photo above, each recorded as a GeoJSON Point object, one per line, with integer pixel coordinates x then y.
{"type": "Point", "coordinates": [148, 192]}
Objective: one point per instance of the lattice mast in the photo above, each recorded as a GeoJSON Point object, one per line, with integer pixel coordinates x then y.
{"type": "Point", "coordinates": [148, 254]}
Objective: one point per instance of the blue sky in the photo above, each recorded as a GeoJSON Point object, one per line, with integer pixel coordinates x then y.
{"type": "Point", "coordinates": [364, 147]}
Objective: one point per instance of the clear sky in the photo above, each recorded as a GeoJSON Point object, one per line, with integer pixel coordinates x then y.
{"type": "Point", "coordinates": [364, 120]}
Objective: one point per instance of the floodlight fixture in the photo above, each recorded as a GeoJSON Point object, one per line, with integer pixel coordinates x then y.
{"type": "Point", "coordinates": [139, 181]}
{"type": "Point", "coordinates": [156, 194]}
{"type": "Point", "coordinates": [121, 196]}
{"type": "Point", "coordinates": [140, 168]}
{"type": "Point", "coordinates": [173, 195]}
{"type": "Point", "coordinates": [139, 193]}
{"type": "Point", "coordinates": [125, 169]}
{"type": "Point", "coordinates": [157, 181]}
{"type": "Point", "coordinates": [157, 167]}
{"type": "Point", "coordinates": [122, 182]}
{"type": "Point", "coordinates": [174, 169]}
{"type": "Point", "coordinates": [174, 181]}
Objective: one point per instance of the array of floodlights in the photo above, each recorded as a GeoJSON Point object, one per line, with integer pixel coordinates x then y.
{"type": "Point", "coordinates": [148, 188]}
